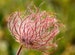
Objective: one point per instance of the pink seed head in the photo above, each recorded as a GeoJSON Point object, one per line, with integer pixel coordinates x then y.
{"type": "Point", "coordinates": [36, 30]}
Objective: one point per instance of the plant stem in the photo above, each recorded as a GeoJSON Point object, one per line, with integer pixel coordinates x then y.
{"type": "Point", "coordinates": [19, 50]}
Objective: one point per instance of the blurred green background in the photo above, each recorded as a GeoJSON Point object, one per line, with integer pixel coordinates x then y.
{"type": "Point", "coordinates": [65, 12]}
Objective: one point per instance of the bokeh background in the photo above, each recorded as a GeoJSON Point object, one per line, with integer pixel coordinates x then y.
{"type": "Point", "coordinates": [65, 12]}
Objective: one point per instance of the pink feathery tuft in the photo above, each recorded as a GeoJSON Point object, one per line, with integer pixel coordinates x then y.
{"type": "Point", "coordinates": [34, 31]}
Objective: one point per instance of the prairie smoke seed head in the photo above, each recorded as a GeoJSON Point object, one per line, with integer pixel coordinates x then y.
{"type": "Point", "coordinates": [36, 30]}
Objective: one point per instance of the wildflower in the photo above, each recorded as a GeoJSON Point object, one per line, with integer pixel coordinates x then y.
{"type": "Point", "coordinates": [34, 31]}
